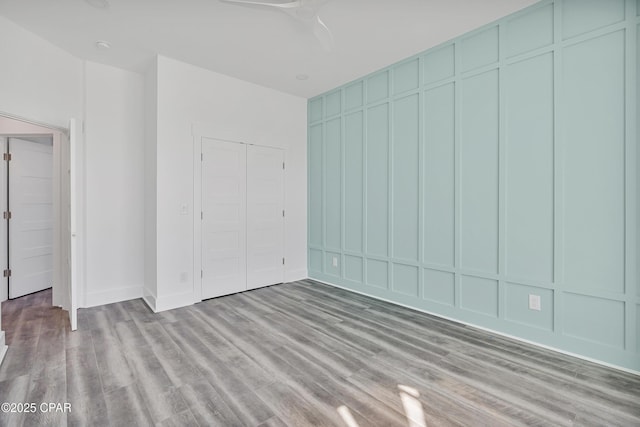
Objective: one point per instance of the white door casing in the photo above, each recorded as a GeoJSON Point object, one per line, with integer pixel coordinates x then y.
{"type": "Point", "coordinates": [223, 221]}
{"type": "Point", "coordinates": [265, 216]}
{"type": "Point", "coordinates": [71, 185]}
{"type": "Point", "coordinates": [31, 224]}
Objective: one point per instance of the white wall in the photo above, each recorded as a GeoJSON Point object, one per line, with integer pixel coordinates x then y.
{"type": "Point", "coordinates": [190, 95]}
{"type": "Point", "coordinates": [38, 80]}
{"type": "Point", "coordinates": [114, 164]}
{"type": "Point", "coordinates": [43, 83]}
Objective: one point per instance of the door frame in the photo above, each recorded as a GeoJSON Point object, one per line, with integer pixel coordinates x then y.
{"type": "Point", "coordinates": [64, 289]}
{"type": "Point", "coordinates": [19, 146]}
{"type": "Point", "coordinates": [221, 133]}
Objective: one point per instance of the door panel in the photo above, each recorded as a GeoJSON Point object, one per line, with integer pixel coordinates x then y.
{"type": "Point", "coordinates": [265, 220]}
{"type": "Point", "coordinates": [224, 209]}
{"type": "Point", "coordinates": [4, 243]}
{"type": "Point", "coordinates": [31, 224]}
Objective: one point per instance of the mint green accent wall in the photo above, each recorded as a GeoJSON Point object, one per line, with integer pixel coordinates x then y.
{"type": "Point", "coordinates": [498, 165]}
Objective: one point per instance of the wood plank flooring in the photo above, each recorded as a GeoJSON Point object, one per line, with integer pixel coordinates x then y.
{"type": "Point", "coordinates": [298, 354]}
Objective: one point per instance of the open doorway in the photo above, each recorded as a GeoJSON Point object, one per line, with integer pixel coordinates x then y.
{"type": "Point", "coordinates": [28, 213]}
{"type": "Point", "coordinates": [22, 135]}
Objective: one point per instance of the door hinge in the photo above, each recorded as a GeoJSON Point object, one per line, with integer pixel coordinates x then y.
{"type": "Point", "coordinates": [201, 157]}
{"type": "Point", "coordinates": [201, 274]}
{"type": "Point", "coordinates": [7, 273]}
{"type": "Point", "coordinates": [6, 215]}
{"type": "Point", "coordinates": [282, 165]}
{"type": "Point", "coordinates": [282, 212]}
{"type": "Point", "coordinates": [282, 261]}
{"type": "Point", "coordinates": [6, 156]}
{"type": "Point", "coordinates": [201, 215]}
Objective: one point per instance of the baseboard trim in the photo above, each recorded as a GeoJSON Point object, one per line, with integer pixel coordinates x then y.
{"type": "Point", "coordinates": [295, 275]}
{"type": "Point", "coordinates": [502, 334]}
{"type": "Point", "coordinates": [169, 302]}
{"type": "Point", "coordinates": [3, 347]}
{"type": "Point", "coordinates": [110, 296]}
{"type": "Point", "coordinates": [149, 298]}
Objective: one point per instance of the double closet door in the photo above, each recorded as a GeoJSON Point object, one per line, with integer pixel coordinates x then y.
{"type": "Point", "coordinates": [242, 217]}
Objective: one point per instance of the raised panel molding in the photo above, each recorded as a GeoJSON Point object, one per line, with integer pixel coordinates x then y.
{"type": "Point", "coordinates": [479, 295]}
{"type": "Point", "coordinates": [479, 173]}
{"type": "Point", "coordinates": [581, 16]}
{"type": "Point", "coordinates": [439, 64]}
{"type": "Point", "coordinates": [315, 172]}
{"type": "Point", "coordinates": [406, 76]}
{"type": "Point", "coordinates": [479, 49]}
{"type": "Point", "coordinates": [377, 170]}
{"type": "Point", "coordinates": [439, 286]}
{"type": "Point", "coordinates": [315, 260]}
{"type": "Point", "coordinates": [354, 183]}
{"type": "Point", "coordinates": [529, 169]}
{"type": "Point", "coordinates": [333, 184]}
{"type": "Point", "coordinates": [439, 175]}
{"type": "Point", "coordinates": [500, 165]}
{"type": "Point", "coordinates": [581, 321]}
{"type": "Point", "coordinates": [405, 178]}
{"type": "Point", "coordinates": [354, 96]}
{"type": "Point", "coordinates": [530, 31]}
{"type": "Point", "coordinates": [378, 273]}
{"type": "Point", "coordinates": [405, 279]}
{"type": "Point", "coordinates": [378, 87]}
{"type": "Point", "coordinates": [353, 268]}
{"type": "Point", "coordinates": [594, 128]}
{"type": "Point", "coordinates": [517, 306]}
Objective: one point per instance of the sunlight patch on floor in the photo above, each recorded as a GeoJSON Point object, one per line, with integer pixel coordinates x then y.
{"type": "Point", "coordinates": [412, 406]}
{"type": "Point", "coordinates": [348, 419]}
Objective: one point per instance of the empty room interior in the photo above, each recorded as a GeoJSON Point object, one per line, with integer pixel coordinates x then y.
{"type": "Point", "coordinates": [320, 213]}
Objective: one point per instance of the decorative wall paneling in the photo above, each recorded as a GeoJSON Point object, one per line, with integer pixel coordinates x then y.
{"type": "Point", "coordinates": [499, 165]}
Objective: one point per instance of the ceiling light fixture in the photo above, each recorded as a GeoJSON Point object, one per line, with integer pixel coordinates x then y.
{"type": "Point", "coordinates": [98, 4]}
{"type": "Point", "coordinates": [102, 45]}
{"type": "Point", "coordinates": [302, 77]}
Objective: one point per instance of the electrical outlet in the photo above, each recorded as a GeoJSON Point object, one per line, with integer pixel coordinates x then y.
{"type": "Point", "coordinates": [335, 261]}
{"type": "Point", "coordinates": [534, 302]}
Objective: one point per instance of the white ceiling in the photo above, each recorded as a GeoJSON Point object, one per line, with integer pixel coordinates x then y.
{"type": "Point", "coordinates": [262, 46]}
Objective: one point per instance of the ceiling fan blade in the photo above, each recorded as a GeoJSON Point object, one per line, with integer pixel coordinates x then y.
{"type": "Point", "coordinates": [289, 5]}
{"type": "Point", "coordinates": [323, 34]}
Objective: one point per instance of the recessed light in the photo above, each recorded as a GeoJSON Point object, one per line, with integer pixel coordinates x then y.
{"type": "Point", "coordinates": [302, 77]}
{"type": "Point", "coordinates": [102, 45]}
{"type": "Point", "coordinates": [98, 4]}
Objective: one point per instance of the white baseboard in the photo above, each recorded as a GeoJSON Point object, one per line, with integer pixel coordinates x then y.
{"type": "Point", "coordinates": [112, 295]}
{"type": "Point", "coordinates": [3, 347]}
{"type": "Point", "coordinates": [149, 298]}
{"type": "Point", "coordinates": [169, 302]}
{"type": "Point", "coordinates": [568, 353]}
{"type": "Point", "coordinates": [294, 275]}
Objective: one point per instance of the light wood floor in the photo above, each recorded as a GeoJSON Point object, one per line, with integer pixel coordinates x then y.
{"type": "Point", "coordinates": [296, 354]}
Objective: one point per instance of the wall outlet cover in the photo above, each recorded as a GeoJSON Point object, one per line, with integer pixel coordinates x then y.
{"type": "Point", "coordinates": [534, 302]}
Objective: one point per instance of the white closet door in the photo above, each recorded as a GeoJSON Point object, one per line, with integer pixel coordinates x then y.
{"type": "Point", "coordinates": [31, 224]}
{"type": "Point", "coordinates": [224, 262]}
{"type": "Point", "coordinates": [265, 220]}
